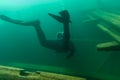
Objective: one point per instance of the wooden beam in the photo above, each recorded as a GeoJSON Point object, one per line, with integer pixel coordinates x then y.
{"type": "Point", "coordinates": [11, 73]}
{"type": "Point", "coordinates": [108, 46]}
{"type": "Point", "coordinates": [111, 18]}
{"type": "Point", "coordinates": [110, 32]}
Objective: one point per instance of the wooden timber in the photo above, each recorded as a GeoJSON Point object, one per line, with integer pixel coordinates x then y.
{"type": "Point", "coordinates": [109, 23]}
{"type": "Point", "coordinates": [12, 73]}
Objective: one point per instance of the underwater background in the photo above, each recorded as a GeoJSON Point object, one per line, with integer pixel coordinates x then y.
{"type": "Point", "coordinates": [19, 44]}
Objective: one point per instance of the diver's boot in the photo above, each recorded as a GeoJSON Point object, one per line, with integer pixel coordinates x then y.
{"type": "Point", "coordinates": [64, 18]}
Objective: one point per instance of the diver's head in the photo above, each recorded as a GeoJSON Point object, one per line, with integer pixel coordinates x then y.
{"type": "Point", "coordinates": [60, 35]}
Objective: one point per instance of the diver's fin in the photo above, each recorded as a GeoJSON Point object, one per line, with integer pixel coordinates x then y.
{"type": "Point", "coordinates": [58, 18]}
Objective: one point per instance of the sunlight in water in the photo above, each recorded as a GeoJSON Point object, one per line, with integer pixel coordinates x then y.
{"type": "Point", "coordinates": [23, 3]}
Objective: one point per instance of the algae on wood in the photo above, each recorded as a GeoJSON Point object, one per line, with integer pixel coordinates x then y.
{"type": "Point", "coordinates": [11, 73]}
{"type": "Point", "coordinates": [110, 24]}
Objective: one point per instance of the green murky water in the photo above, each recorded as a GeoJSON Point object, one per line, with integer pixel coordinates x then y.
{"type": "Point", "coordinates": [20, 47]}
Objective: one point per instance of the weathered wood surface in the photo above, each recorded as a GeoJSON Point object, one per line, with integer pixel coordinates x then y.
{"type": "Point", "coordinates": [110, 24]}
{"type": "Point", "coordinates": [11, 73]}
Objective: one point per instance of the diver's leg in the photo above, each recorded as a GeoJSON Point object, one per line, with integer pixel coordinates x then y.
{"type": "Point", "coordinates": [65, 20]}
{"type": "Point", "coordinates": [66, 38]}
{"type": "Point", "coordinates": [40, 34]}
{"type": "Point", "coordinates": [35, 24]}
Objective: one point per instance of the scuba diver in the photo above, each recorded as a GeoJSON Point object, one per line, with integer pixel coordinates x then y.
{"type": "Point", "coordinates": [62, 44]}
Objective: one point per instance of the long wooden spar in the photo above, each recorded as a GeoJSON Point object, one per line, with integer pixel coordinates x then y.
{"type": "Point", "coordinates": [109, 23]}
{"type": "Point", "coordinates": [12, 73]}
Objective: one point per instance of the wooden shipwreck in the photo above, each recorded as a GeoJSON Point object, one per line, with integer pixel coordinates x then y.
{"type": "Point", "coordinates": [12, 73]}
{"type": "Point", "coordinates": [109, 22]}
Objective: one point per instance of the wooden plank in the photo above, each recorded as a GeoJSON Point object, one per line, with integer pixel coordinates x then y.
{"type": "Point", "coordinates": [11, 73]}
{"type": "Point", "coordinates": [108, 46]}
{"type": "Point", "coordinates": [111, 33]}
{"type": "Point", "coordinates": [34, 67]}
{"type": "Point", "coordinates": [111, 18]}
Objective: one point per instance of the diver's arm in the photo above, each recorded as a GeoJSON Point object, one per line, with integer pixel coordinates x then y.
{"type": "Point", "coordinates": [5, 18]}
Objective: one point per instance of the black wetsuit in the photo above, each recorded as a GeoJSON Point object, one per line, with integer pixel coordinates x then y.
{"type": "Point", "coordinates": [63, 45]}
